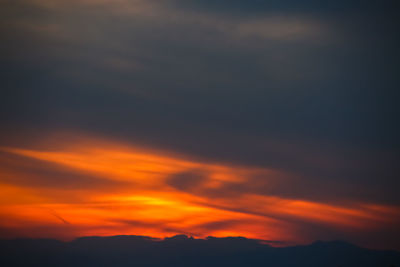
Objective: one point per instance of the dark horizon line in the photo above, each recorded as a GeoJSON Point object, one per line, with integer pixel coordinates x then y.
{"type": "Point", "coordinates": [270, 243]}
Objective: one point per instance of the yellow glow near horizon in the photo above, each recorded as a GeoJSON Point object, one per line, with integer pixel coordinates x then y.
{"type": "Point", "coordinates": [133, 191]}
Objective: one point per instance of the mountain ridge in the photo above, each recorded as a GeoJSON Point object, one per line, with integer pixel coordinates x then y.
{"type": "Point", "coordinates": [182, 250]}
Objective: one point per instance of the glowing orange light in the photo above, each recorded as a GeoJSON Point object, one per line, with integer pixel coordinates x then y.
{"type": "Point", "coordinates": [142, 200]}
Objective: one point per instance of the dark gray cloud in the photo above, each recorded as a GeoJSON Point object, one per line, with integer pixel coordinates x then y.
{"type": "Point", "coordinates": [31, 173]}
{"type": "Point", "coordinates": [287, 5]}
{"type": "Point", "coordinates": [187, 181]}
{"type": "Point", "coordinates": [301, 87]}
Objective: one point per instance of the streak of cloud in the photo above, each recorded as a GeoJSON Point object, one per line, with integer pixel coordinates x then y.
{"type": "Point", "coordinates": [171, 195]}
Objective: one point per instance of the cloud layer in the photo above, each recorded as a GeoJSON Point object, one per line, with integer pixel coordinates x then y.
{"type": "Point", "coordinates": [85, 186]}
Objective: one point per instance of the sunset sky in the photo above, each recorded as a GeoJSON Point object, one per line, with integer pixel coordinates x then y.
{"type": "Point", "coordinates": [273, 120]}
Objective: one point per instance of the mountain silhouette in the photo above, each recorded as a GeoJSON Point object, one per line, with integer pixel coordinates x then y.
{"type": "Point", "coordinates": [186, 251]}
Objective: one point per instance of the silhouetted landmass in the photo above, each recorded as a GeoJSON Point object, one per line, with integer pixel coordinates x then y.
{"type": "Point", "coordinates": [185, 251]}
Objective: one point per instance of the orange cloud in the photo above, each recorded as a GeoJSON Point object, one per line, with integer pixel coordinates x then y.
{"type": "Point", "coordinates": [122, 189]}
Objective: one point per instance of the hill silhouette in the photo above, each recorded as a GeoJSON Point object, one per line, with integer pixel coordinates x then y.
{"type": "Point", "coordinates": [186, 251]}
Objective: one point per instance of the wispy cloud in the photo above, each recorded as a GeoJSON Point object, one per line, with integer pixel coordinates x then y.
{"type": "Point", "coordinates": [166, 192]}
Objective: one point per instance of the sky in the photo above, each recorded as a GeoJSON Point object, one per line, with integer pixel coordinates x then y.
{"type": "Point", "coordinates": [274, 120]}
